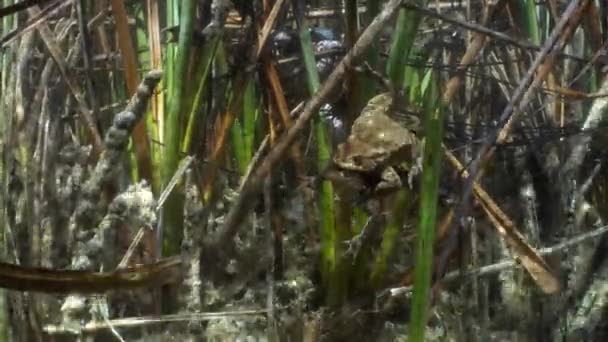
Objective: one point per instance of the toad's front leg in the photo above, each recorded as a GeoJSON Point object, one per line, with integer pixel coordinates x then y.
{"type": "Point", "coordinates": [389, 181]}
{"type": "Point", "coordinates": [414, 171]}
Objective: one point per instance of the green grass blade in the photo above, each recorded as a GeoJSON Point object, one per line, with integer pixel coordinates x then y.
{"type": "Point", "coordinates": [172, 17]}
{"type": "Point", "coordinates": [428, 213]}
{"type": "Point", "coordinates": [530, 20]}
{"type": "Point", "coordinates": [391, 233]}
{"type": "Point", "coordinates": [243, 134]}
{"type": "Point", "coordinates": [251, 105]}
{"type": "Point", "coordinates": [326, 200]}
{"type": "Point", "coordinates": [173, 210]}
{"type": "Point", "coordinates": [403, 40]}
{"type": "Point", "coordinates": [209, 53]}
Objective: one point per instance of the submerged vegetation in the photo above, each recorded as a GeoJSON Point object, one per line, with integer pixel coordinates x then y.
{"type": "Point", "coordinates": [303, 170]}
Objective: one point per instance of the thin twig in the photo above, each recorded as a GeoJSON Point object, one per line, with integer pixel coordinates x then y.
{"type": "Point", "coordinates": [507, 264]}
{"type": "Point", "coordinates": [147, 320]}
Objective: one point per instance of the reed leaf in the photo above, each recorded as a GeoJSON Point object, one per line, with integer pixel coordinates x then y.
{"type": "Point", "coordinates": [425, 239]}
{"type": "Point", "coordinates": [173, 210]}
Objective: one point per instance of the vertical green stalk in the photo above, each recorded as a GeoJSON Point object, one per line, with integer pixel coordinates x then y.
{"type": "Point", "coordinates": [141, 36]}
{"type": "Point", "coordinates": [171, 51]}
{"type": "Point", "coordinates": [251, 106]}
{"type": "Point", "coordinates": [428, 212]}
{"type": "Point", "coordinates": [173, 210]}
{"type": "Point", "coordinates": [208, 56]}
{"type": "Point", "coordinates": [354, 80]}
{"type": "Point", "coordinates": [530, 20]}
{"type": "Point", "coordinates": [242, 134]}
{"type": "Point", "coordinates": [403, 40]}
{"type": "Point", "coordinates": [402, 77]}
{"type": "Point", "coordinates": [372, 56]}
{"type": "Point", "coordinates": [390, 237]}
{"type": "Point", "coordinates": [329, 240]}
{"type": "Point", "coordinates": [412, 79]}
{"type": "Point", "coordinates": [312, 75]}
{"type": "Point", "coordinates": [238, 145]}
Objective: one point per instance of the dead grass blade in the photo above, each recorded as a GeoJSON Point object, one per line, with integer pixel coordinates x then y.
{"type": "Point", "coordinates": [524, 252]}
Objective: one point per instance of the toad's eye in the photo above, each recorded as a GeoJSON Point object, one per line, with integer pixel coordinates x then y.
{"type": "Point", "coordinates": [357, 160]}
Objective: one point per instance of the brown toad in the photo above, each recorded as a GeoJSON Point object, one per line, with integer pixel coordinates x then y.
{"type": "Point", "coordinates": [377, 148]}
